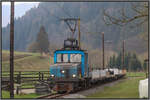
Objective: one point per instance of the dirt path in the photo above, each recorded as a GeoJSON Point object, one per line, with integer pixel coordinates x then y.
{"type": "Point", "coordinates": [26, 91]}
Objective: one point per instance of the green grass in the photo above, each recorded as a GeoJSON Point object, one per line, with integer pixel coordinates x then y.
{"type": "Point", "coordinates": [24, 61]}
{"type": "Point", "coordinates": [125, 89]}
{"type": "Point", "coordinates": [24, 82]}
{"type": "Point", "coordinates": [5, 94]}
{"type": "Point", "coordinates": [134, 74]}
{"type": "Point", "coordinates": [17, 55]}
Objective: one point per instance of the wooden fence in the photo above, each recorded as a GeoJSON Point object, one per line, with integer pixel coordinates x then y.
{"type": "Point", "coordinates": [24, 77]}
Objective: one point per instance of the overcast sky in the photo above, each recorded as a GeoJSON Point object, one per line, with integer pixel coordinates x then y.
{"type": "Point", "coordinates": [20, 9]}
{"type": "Point", "coordinates": [18, 3]}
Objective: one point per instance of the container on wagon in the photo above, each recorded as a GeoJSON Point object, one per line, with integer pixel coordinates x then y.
{"type": "Point", "coordinates": [95, 74]}
{"type": "Point", "coordinates": [116, 71]}
{"type": "Point", "coordinates": [102, 73]}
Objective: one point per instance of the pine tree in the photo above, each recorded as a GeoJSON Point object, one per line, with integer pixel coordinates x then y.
{"type": "Point", "coordinates": [118, 61]}
{"type": "Point", "coordinates": [110, 62]}
{"type": "Point", "coordinates": [144, 65]}
{"type": "Point", "coordinates": [135, 63]}
{"type": "Point", "coordinates": [42, 41]}
{"type": "Point", "coordinates": [114, 61]}
{"type": "Point", "coordinates": [131, 62]}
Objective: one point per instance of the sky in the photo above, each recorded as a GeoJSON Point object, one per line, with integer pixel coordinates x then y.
{"type": "Point", "coordinates": [20, 9]}
{"type": "Point", "coordinates": [19, 3]}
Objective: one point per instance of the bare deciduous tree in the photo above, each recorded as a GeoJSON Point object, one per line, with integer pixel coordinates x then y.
{"type": "Point", "coordinates": [141, 10]}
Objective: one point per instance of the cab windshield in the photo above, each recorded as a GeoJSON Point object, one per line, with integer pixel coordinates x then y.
{"type": "Point", "coordinates": [75, 57]}
{"type": "Point", "coordinates": [65, 58]}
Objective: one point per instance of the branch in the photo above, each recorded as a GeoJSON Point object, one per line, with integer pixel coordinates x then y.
{"type": "Point", "coordinates": [112, 19]}
{"type": "Point", "coordinates": [140, 23]}
{"type": "Point", "coordinates": [121, 21]}
{"type": "Point", "coordinates": [135, 8]}
{"type": "Point", "coordinates": [123, 14]}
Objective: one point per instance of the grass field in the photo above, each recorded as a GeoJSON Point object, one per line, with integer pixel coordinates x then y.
{"type": "Point", "coordinates": [127, 88]}
{"type": "Point", "coordinates": [24, 61]}
{"type": "Point", "coordinates": [5, 94]}
{"type": "Point", "coordinates": [136, 74]}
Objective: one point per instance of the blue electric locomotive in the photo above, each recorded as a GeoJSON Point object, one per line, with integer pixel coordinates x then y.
{"type": "Point", "coordinates": [70, 71]}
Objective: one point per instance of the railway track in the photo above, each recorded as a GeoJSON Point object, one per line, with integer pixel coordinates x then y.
{"type": "Point", "coordinates": [57, 95]}
{"type": "Point", "coordinates": [52, 96]}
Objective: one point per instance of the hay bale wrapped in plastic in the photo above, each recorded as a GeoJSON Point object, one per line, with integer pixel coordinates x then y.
{"type": "Point", "coordinates": [143, 88]}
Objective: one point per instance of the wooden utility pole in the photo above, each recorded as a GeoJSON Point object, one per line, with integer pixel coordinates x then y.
{"type": "Point", "coordinates": [103, 53]}
{"type": "Point", "coordinates": [12, 50]}
{"type": "Point", "coordinates": [103, 50]}
{"type": "Point", "coordinates": [108, 53]}
{"type": "Point", "coordinates": [123, 54]}
{"type": "Point", "coordinates": [1, 44]}
{"type": "Point", "coordinates": [79, 32]}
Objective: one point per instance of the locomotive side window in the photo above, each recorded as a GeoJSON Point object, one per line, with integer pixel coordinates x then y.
{"type": "Point", "coordinates": [75, 57]}
{"type": "Point", "coordinates": [59, 58]}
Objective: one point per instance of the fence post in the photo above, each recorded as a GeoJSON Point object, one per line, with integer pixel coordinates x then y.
{"type": "Point", "coordinates": [39, 76]}
{"type": "Point", "coordinates": [18, 89]}
{"type": "Point", "coordinates": [19, 78]}
{"type": "Point", "coordinates": [42, 76]}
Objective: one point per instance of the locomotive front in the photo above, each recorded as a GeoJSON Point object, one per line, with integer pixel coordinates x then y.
{"type": "Point", "coordinates": [69, 70]}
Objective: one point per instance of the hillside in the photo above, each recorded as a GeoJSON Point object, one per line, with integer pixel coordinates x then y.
{"type": "Point", "coordinates": [24, 61]}
{"type": "Point", "coordinates": [20, 9]}
{"type": "Point", "coordinates": [91, 14]}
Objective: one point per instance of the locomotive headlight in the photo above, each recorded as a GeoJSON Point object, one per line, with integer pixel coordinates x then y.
{"type": "Point", "coordinates": [52, 75]}
{"type": "Point", "coordinates": [63, 71]}
{"type": "Point", "coordinates": [73, 75]}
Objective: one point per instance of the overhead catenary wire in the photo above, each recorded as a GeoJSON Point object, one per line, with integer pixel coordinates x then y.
{"type": "Point", "coordinates": [62, 8]}
{"type": "Point", "coordinates": [66, 13]}
{"type": "Point", "coordinates": [84, 29]}
{"type": "Point", "coordinates": [58, 18]}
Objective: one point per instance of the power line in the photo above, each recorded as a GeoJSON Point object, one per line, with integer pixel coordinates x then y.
{"type": "Point", "coordinates": [62, 8]}
{"type": "Point", "coordinates": [58, 18]}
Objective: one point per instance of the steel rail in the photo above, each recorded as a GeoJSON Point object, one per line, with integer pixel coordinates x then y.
{"type": "Point", "coordinates": [52, 96]}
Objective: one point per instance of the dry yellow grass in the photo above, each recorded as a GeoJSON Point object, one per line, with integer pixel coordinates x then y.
{"type": "Point", "coordinates": [27, 61]}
